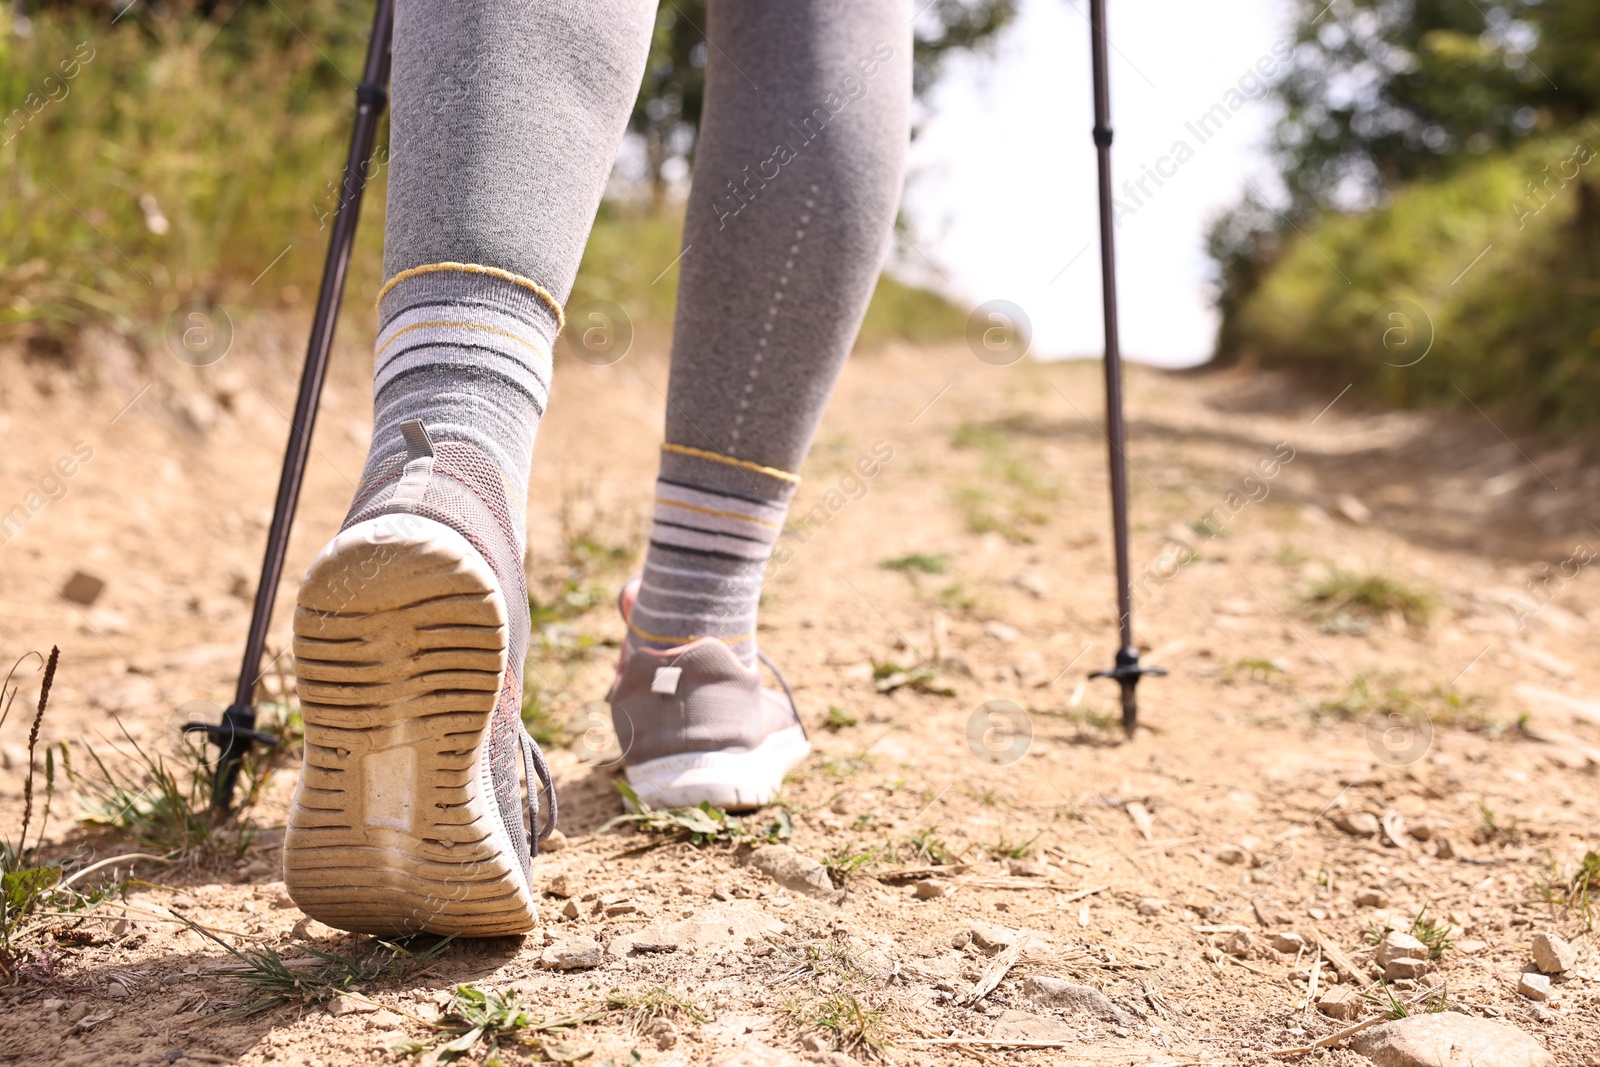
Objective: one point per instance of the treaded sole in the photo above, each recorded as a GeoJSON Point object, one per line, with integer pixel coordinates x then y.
{"type": "Point", "coordinates": [734, 781]}
{"type": "Point", "coordinates": [400, 643]}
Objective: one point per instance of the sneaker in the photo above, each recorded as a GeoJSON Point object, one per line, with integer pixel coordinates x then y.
{"type": "Point", "coordinates": [409, 814]}
{"type": "Point", "coordinates": [695, 724]}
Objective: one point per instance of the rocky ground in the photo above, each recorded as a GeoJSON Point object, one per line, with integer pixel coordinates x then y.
{"type": "Point", "coordinates": [1365, 789]}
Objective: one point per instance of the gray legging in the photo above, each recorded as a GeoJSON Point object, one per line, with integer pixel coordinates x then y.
{"type": "Point", "coordinates": [506, 119]}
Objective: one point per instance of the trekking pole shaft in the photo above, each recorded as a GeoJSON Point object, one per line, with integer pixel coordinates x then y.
{"type": "Point", "coordinates": [371, 98]}
{"type": "Point", "coordinates": [1116, 432]}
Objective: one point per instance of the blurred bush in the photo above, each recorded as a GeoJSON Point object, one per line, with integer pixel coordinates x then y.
{"type": "Point", "coordinates": [1397, 299]}
{"type": "Point", "coordinates": [185, 153]}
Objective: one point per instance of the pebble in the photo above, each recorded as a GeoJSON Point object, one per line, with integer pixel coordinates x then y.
{"type": "Point", "coordinates": [181, 900]}
{"type": "Point", "coordinates": [1535, 986]}
{"type": "Point", "coordinates": [1396, 945]}
{"type": "Point", "coordinates": [991, 938]}
{"type": "Point", "coordinates": [343, 1005]}
{"type": "Point", "coordinates": [1000, 631]}
{"type": "Point", "coordinates": [1288, 941]}
{"type": "Point", "coordinates": [1552, 954]}
{"type": "Point", "coordinates": [1404, 967]}
{"type": "Point", "coordinates": [1232, 855]}
{"type": "Point", "coordinates": [1444, 850]}
{"type": "Point", "coordinates": [561, 886]}
{"type": "Point", "coordinates": [792, 870]}
{"type": "Point", "coordinates": [1239, 943]}
{"type": "Point", "coordinates": [1340, 1002]}
{"type": "Point", "coordinates": [1372, 898]}
{"type": "Point", "coordinates": [1357, 823]}
{"type": "Point", "coordinates": [1027, 869]}
{"type": "Point", "coordinates": [1075, 999]}
{"type": "Point", "coordinates": [1449, 1039]}
{"type": "Point", "coordinates": [554, 843]}
{"type": "Point", "coordinates": [1152, 906]}
{"type": "Point", "coordinates": [931, 889]}
{"type": "Point", "coordinates": [1016, 1025]}
{"type": "Point", "coordinates": [573, 953]}
{"type": "Point", "coordinates": [1352, 509]}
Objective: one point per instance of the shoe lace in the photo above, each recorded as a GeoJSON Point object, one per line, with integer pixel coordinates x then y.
{"type": "Point", "coordinates": [787, 692]}
{"type": "Point", "coordinates": [533, 762]}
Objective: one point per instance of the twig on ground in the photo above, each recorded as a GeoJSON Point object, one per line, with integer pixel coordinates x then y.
{"type": "Point", "coordinates": [996, 971]}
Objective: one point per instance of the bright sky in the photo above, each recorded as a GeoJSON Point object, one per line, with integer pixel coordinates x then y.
{"type": "Point", "coordinates": [1002, 193]}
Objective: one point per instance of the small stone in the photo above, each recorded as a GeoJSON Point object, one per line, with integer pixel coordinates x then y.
{"type": "Point", "coordinates": [1552, 954]}
{"type": "Point", "coordinates": [1152, 906]}
{"type": "Point", "coordinates": [570, 910]}
{"type": "Point", "coordinates": [792, 870]}
{"type": "Point", "coordinates": [1535, 986]}
{"type": "Point", "coordinates": [1421, 829]}
{"type": "Point", "coordinates": [665, 1034]}
{"type": "Point", "coordinates": [1289, 942]}
{"type": "Point", "coordinates": [182, 900]}
{"type": "Point", "coordinates": [384, 1019]}
{"type": "Point", "coordinates": [1016, 1025]}
{"type": "Point", "coordinates": [1357, 823]}
{"type": "Point", "coordinates": [83, 588]}
{"type": "Point", "coordinates": [1444, 850]}
{"type": "Point", "coordinates": [1212, 953]}
{"type": "Point", "coordinates": [554, 843]}
{"type": "Point", "coordinates": [573, 953]}
{"type": "Point", "coordinates": [815, 1043]}
{"type": "Point", "coordinates": [1340, 1002]}
{"type": "Point", "coordinates": [561, 886]}
{"type": "Point", "coordinates": [961, 939]}
{"type": "Point", "coordinates": [620, 907]}
{"type": "Point", "coordinates": [1396, 945]}
{"type": "Point", "coordinates": [1000, 631]}
{"type": "Point", "coordinates": [1372, 898]}
{"type": "Point", "coordinates": [1232, 855]}
{"type": "Point", "coordinates": [991, 938]}
{"type": "Point", "coordinates": [118, 991]}
{"type": "Point", "coordinates": [1449, 1039]}
{"type": "Point", "coordinates": [1352, 509]}
{"type": "Point", "coordinates": [931, 889]}
{"type": "Point", "coordinates": [1073, 998]}
{"type": "Point", "coordinates": [343, 1005]}
{"type": "Point", "coordinates": [1027, 869]}
{"type": "Point", "coordinates": [52, 1005]}
{"type": "Point", "coordinates": [1239, 944]}
{"type": "Point", "coordinates": [1404, 968]}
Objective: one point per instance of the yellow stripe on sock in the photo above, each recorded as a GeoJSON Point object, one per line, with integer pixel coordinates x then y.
{"type": "Point", "coordinates": [718, 457]}
{"type": "Point", "coordinates": [472, 268]}
{"type": "Point", "coordinates": [459, 326]}
{"type": "Point", "coordinates": [715, 513]}
{"type": "Point", "coordinates": [667, 640]}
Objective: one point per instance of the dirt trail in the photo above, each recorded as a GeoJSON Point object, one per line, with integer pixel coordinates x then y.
{"type": "Point", "coordinates": [1307, 769]}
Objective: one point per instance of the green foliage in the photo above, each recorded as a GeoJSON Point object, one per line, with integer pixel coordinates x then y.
{"type": "Point", "coordinates": [1011, 850]}
{"type": "Point", "coordinates": [922, 678]}
{"type": "Point", "coordinates": [1372, 595]}
{"type": "Point", "coordinates": [1431, 932]}
{"type": "Point", "coordinates": [850, 1025]}
{"type": "Point", "coordinates": [161, 807]}
{"type": "Point", "coordinates": [493, 1020]}
{"type": "Point", "coordinates": [273, 981]}
{"type": "Point", "coordinates": [186, 154]}
{"type": "Point", "coordinates": [839, 719]}
{"type": "Point", "coordinates": [699, 825]}
{"type": "Point", "coordinates": [917, 563]}
{"type": "Point", "coordinates": [1578, 891]}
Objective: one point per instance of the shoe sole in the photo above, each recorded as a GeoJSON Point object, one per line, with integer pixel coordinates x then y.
{"type": "Point", "coordinates": [400, 643]}
{"type": "Point", "coordinates": [733, 781]}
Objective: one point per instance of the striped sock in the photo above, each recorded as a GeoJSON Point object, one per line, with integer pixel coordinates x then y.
{"type": "Point", "coordinates": [716, 520]}
{"type": "Point", "coordinates": [465, 349]}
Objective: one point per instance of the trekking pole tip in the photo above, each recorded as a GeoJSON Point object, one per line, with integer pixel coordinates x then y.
{"type": "Point", "coordinates": [1127, 673]}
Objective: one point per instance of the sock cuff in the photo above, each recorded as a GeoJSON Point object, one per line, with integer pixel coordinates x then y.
{"type": "Point", "coordinates": [447, 268]}
{"type": "Point", "coordinates": [479, 323]}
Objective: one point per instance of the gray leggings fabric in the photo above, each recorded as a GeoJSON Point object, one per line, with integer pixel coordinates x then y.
{"type": "Point", "coordinates": [506, 119]}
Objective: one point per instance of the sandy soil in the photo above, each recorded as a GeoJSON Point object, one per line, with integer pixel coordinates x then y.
{"type": "Point", "coordinates": [1304, 769]}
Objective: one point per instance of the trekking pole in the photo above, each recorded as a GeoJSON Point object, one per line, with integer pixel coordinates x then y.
{"type": "Point", "coordinates": [237, 731]}
{"type": "Point", "coordinates": [1127, 670]}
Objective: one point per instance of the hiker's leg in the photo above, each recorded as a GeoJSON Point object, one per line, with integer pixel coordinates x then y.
{"type": "Point", "coordinates": [412, 624]}
{"type": "Point", "coordinates": [796, 180]}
